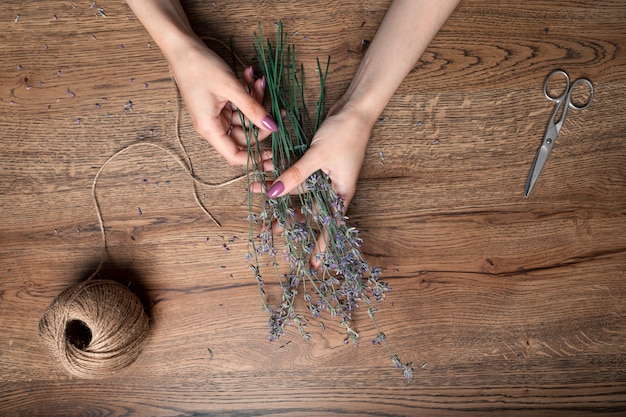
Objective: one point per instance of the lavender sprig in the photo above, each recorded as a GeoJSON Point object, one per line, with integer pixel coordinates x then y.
{"type": "Point", "coordinates": [344, 280]}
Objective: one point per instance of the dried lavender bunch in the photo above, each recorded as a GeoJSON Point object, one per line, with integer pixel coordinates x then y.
{"type": "Point", "coordinates": [344, 280]}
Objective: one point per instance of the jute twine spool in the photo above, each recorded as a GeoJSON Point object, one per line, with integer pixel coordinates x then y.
{"type": "Point", "coordinates": [110, 323]}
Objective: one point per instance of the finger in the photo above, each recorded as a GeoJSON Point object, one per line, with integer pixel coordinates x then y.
{"type": "Point", "coordinates": [213, 130]}
{"type": "Point", "coordinates": [264, 161]}
{"type": "Point", "coordinates": [258, 89]}
{"type": "Point", "coordinates": [268, 164]}
{"type": "Point", "coordinates": [317, 255]}
{"type": "Point", "coordinates": [253, 87]}
{"type": "Point", "coordinates": [260, 162]}
{"type": "Point", "coordinates": [294, 176]}
{"type": "Point", "coordinates": [248, 77]}
{"type": "Point", "coordinates": [240, 136]}
{"type": "Point", "coordinates": [243, 135]}
{"type": "Point", "coordinates": [232, 153]}
{"type": "Point", "coordinates": [262, 187]}
{"type": "Point", "coordinates": [345, 194]}
{"type": "Point", "coordinates": [276, 227]}
{"type": "Point", "coordinates": [250, 105]}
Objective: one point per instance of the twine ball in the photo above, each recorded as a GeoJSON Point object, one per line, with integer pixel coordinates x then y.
{"type": "Point", "coordinates": [95, 329]}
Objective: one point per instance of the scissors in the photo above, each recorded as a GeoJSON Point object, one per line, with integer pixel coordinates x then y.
{"type": "Point", "coordinates": [562, 103]}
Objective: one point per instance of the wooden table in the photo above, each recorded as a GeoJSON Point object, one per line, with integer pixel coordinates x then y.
{"type": "Point", "coordinates": [505, 305]}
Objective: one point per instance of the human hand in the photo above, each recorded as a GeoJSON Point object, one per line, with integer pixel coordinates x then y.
{"type": "Point", "coordinates": [213, 94]}
{"type": "Point", "coordinates": [338, 149]}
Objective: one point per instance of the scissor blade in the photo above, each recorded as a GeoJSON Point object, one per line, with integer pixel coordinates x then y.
{"type": "Point", "coordinates": [540, 160]}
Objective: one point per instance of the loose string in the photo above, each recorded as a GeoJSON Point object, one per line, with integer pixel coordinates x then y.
{"type": "Point", "coordinates": [188, 168]}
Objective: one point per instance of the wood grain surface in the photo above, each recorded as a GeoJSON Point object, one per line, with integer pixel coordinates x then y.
{"type": "Point", "coordinates": [505, 305]}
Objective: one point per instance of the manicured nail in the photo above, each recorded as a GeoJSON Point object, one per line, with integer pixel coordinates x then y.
{"type": "Point", "coordinates": [263, 83]}
{"type": "Point", "coordinates": [251, 70]}
{"type": "Point", "coordinates": [276, 188]}
{"type": "Point", "coordinates": [270, 124]}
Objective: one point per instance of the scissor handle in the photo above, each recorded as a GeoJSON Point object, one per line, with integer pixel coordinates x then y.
{"type": "Point", "coordinates": [561, 96]}
{"type": "Point", "coordinates": [569, 88]}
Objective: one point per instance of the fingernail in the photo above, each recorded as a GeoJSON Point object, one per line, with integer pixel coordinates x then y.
{"type": "Point", "coordinates": [275, 190]}
{"type": "Point", "coordinates": [269, 123]}
{"type": "Point", "coordinates": [251, 69]}
{"type": "Point", "coordinates": [263, 82]}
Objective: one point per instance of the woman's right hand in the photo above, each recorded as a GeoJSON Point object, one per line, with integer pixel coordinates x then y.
{"type": "Point", "coordinates": [209, 87]}
{"type": "Point", "coordinates": [213, 94]}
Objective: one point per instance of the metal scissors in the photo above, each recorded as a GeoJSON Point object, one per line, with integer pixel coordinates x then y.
{"type": "Point", "coordinates": [562, 103]}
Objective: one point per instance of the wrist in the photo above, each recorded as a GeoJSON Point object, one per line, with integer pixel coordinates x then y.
{"type": "Point", "coordinates": [179, 46]}
{"type": "Point", "coordinates": [369, 92]}
{"type": "Point", "coordinates": [167, 24]}
{"type": "Point", "coordinates": [363, 106]}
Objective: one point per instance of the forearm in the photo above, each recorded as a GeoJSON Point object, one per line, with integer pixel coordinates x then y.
{"type": "Point", "coordinates": [406, 31]}
{"type": "Point", "coordinates": [167, 24]}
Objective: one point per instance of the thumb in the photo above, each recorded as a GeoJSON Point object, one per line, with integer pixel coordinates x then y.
{"type": "Point", "coordinates": [254, 111]}
{"type": "Point", "coordinates": [293, 176]}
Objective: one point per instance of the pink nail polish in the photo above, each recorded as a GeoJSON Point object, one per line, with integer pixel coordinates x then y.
{"type": "Point", "coordinates": [275, 190]}
{"type": "Point", "coordinates": [263, 83]}
{"type": "Point", "coordinates": [269, 123]}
